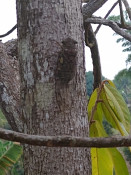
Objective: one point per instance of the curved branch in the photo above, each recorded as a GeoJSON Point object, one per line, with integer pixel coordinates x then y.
{"type": "Point", "coordinates": [111, 24]}
{"type": "Point", "coordinates": [128, 9]}
{"type": "Point", "coordinates": [9, 32]}
{"type": "Point", "coordinates": [92, 6]}
{"type": "Point", "coordinates": [121, 13]}
{"type": "Point", "coordinates": [91, 42]}
{"type": "Point", "coordinates": [108, 13]}
{"type": "Point", "coordinates": [65, 141]}
{"type": "Point", "coordinates": [85, 1]}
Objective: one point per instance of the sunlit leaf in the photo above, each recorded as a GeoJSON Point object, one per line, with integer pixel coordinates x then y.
{"type": "Point", "coordinates": [101, 162]}
{"type": "Point", "coordinates": [113, 102]}
{"type": "Point", "coordinates": [110, 111]}
{"type": "Point", "coordinates": [118, 106]}
{"type": "Point", "coordinates": [98, 115]}
{"type": "Point", "coordinates": [119, 162]}
{"type": "Point", "coordinates": [97, 130]}
{"type": "Point", "coordinates": [111, 83]}
{"type": "Point", "coordinates": [104, 160]}
{"type": "Point", "coordinates": [91, 103]}
{"type": "Point", "coordinates": [112, 106]}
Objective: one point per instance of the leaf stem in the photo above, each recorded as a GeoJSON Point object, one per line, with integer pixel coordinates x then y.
{"type": "Point", "coordinates": [97, 101]}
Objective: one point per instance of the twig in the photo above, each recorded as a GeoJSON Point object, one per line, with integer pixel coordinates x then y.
{"type": "Point", "coordinates": [65, 141]}
{"type": "Point", "coordinates": [121, 13]}
{"type": "Point", "coordinates": [9, 32]}
{"type": "Point", "coordinates": [91, 42]}
{"type": "Point", "coordinates": [128, 9]}
{"type": "Point", "coordinates": [111, 24]}
{"type": "Point", "coordinates": [108, 13]}
{"type": "Point", "coordinates": [97, 101]}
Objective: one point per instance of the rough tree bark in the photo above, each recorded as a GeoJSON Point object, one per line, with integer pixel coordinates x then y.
{"type": "Point", "coordinates": [51, 106]}
{"type": "Point", "coordinates": [91, 42]}
{"type": "Point", "coordinates": [10, 84]}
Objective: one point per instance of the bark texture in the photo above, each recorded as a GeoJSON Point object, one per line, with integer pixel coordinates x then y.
{"type": "Point", "coordinates": [92, 6]}
{"type": "Point", "coordinates": [91, 42]}
{"type": "Point", "coordinates": [10, 84]}
{"type": "Point", "coordinates": [49, 106]}
{"type": "Point", "coordinates": [66, 141]}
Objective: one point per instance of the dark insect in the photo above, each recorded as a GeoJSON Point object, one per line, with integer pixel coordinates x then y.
{"type": "Point", "coordinates": [67, 61]}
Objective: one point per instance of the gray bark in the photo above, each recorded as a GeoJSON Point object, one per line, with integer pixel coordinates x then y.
{"type": "Point", "coordinates": [128, 9]}
{"type": "Point", "coordinates": [49, 105]}
{"type": "Point", "coordinates": [92, 6]}
{"type": "Point", "coordinates": [10, 84]}
{"type": "Point", "coordinates": [66, 141]}
{"type": "Point", "coordinates": [112, 24]}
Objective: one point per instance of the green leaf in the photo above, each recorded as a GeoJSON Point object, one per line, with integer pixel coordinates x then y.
{"type": "Point", "coordinates": [101, 162]}
{"type": "Point", "coordinates": [112, 111]}
{"type": "Point", "coordinates": [111, 83]}
{"type": "Point", "coordinates": [119, 162]}
{"type": "Point", "coordinates": [98, 115]}
{"type": "Point", "coordinates": [104, 160]}
{"type": "Point", "coordinates": [9, 158]}
{"type": "Point", "coordinates": [107, 111]}
{"type": "Point", "coordinates": [118, 106]}
{"type": "Point", "coordinates": [113, 102]}
{"type": "Point", "coordinates": [112, 106]}
{"type": "Point", "coordinates": [97, 130]}
{"type": "Point", "coordinates": [111, 117]}
{"type": "Point", "coordinates": [91, 103]}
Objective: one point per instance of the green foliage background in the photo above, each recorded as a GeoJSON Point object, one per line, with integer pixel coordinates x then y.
{"type": "Point", "coordinates": [17, 169]}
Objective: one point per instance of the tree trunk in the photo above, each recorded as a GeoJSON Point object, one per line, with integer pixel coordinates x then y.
{"type": "Point", "coordinates": [53, 95]}
{"type": "Point", "coordinates": [10, 84]}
